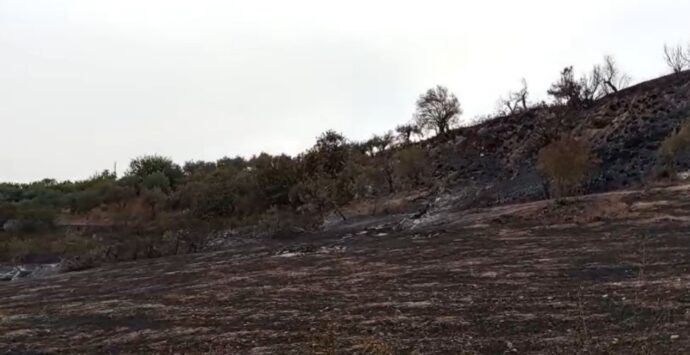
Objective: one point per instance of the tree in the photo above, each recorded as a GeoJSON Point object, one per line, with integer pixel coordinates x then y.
{"type": "Point", "coordinates": [566, 90]}
{"type": "Point", "coordinates": [405, 132]}
{"type": "Point", "coordinates": [198, 167]}
{"type": "Point", "coordinates": [437, 109]}
{"type": "Point", "coordinates": [379, 144]}
{"type": "Point", "coordinates": [676, 58]}
{"type": "Point", "coordinates": [154, 198]}
{"type": "Point", "coordinates": [516, 100]}
{"type": "Point", "coordinates": [146, 165]}
{"type": "Point", "coordinates": [157, 180]}
{"type": "Point", "coordinates": [328, 155]}
{"type": "Point", "coordinates": [590, 87]}
{"type": "Point", "coordinates": [564, 164]}
{"type": "Point", "coordinates": [612, 78]}
{"type": "Point", "coordinates": [274, 177]}
{"type": "Point", "coordinates": [322, 192]}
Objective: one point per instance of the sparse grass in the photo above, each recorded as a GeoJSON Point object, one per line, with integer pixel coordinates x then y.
{"type": "Point", "coordinates": [330, 342]}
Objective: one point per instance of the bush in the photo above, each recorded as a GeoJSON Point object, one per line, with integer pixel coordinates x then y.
{"type": "Point", "coordinates": [412, 165]}
{"type": "Point", "coordinates": [670, 147]}
{"type": "Point", "coordinates": [285, 223]}
{"type": "Point", "coordinates": [7, 211]}
{"type": "Point", "coordinates": [23, 248]}
{"type": "Point", "coordinates": [33, 219]}
{"type": "Point", "coordinates": [14, 249]}
{"type": "Point", "coordinates": [565, 164]}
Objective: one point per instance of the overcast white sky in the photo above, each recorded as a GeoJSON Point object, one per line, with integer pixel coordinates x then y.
{"type": "Point", "coordinates": [84, 84]}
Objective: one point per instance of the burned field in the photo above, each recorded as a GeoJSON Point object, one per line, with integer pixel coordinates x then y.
{"type": "Point", "coordinates": [601, 274]}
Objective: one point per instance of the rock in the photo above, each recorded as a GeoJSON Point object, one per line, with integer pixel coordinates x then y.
{"type": "Point", "coordinates": [45, 270]}
{"type": "Point", "coordinates": [21, 273]}
{"type": "Point", "coordinates": [28, 271]}
{"type": "Point", "coordinates": [7, 273]}
{"type": "Point", "coordinates": [11, 225]}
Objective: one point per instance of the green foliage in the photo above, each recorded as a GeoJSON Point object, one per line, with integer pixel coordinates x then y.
{"type": "Point", "coordinates": [147, 165]}
{"type": "Point", "coordinates": [155, 198]}
{"type": "Point", "coordinates": [18, 248]}
{"type": "Point", "coordinates": [276, 194]}
{"type": "Point", "coordinates": [157, 180]}
{"type": "Point", "coordinates": [198, 167]}
{"type": "Point", "coordinates": [328, 156]}
{"type": "Point", "coordinates": [7, 211]}
{"type": "Point", "coordinates": [274, 176]}
{"type": "Point", "coordinates": [35, 218]}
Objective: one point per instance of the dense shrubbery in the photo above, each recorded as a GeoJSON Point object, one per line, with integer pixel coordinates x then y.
{"type": "Point", "coordinates": [157, 205]}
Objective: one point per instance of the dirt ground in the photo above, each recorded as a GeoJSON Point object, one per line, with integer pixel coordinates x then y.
{"type": "Point", "coordinates": [600, 274]}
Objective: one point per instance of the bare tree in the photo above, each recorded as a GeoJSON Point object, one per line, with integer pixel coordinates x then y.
{"type": "Point", "coordinates": [676, 58]}
{"type": "Point", "coordinates": [516, 101]}
{"type": "Point", "coordinates": [612, 78]}
{"type": "Point", "coordinates": [437, 109]}
{"type": "Point", "coordinates": [381, 143]}
{"type": "Point", "coordinates": [591, 86]}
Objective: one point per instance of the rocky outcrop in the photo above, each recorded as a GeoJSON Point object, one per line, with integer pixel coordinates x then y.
{"type": "Point", "coordinates": [12, 273]}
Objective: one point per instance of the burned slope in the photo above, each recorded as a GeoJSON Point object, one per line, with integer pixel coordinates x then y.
{"type": "Point", "coordinates": [494, 162]}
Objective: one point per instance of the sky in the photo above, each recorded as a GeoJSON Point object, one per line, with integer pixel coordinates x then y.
{"type": "Point", "coordinates": [87, 84]}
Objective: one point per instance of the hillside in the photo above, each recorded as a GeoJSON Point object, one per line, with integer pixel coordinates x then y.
{"type": "Point", "coordinates": [494, 162]}
{"type": "Point", "coordinates": [451, 244]}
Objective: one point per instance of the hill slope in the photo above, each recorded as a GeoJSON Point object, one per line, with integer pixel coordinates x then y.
{"type": "Point", "coordinates": [494, 162]}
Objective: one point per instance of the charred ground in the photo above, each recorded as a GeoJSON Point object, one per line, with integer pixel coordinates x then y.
{"type": "Point", "coordinates": [539, 277]}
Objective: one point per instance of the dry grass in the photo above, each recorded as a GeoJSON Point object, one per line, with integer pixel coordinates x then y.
{"type": "Point", "coordinates": [671, 146]}
{"type": "Point", "coordinates": [565, 164]}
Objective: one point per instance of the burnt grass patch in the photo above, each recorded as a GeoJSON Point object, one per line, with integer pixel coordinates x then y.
{"type": "Point", "coordinates": [615, 287]}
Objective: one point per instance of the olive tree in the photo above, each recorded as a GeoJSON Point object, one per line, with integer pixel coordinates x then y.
{"type": "Point", "coordinates": [437, 109]}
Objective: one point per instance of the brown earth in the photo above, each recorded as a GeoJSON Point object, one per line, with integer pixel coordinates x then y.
{"type": "Point", "coordinates": [603, 273]}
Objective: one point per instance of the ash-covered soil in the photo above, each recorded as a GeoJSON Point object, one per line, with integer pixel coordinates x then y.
{"type": "Point", "coordinates": [601, 274]}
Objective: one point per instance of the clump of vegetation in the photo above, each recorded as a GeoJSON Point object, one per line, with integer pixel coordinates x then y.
{"type": "Point", "coordinates": [412, 167]}
{"type": "Point", "coordinates": [28, 247]}
{"type": "Point", "coordinates": [671, 147]}
{"type": "Point", "coordinates": [602, 80]}
{"type": "Point", "coordinates": [565, 164]}
{"type": "Point", "coordinates": [328, 341]}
